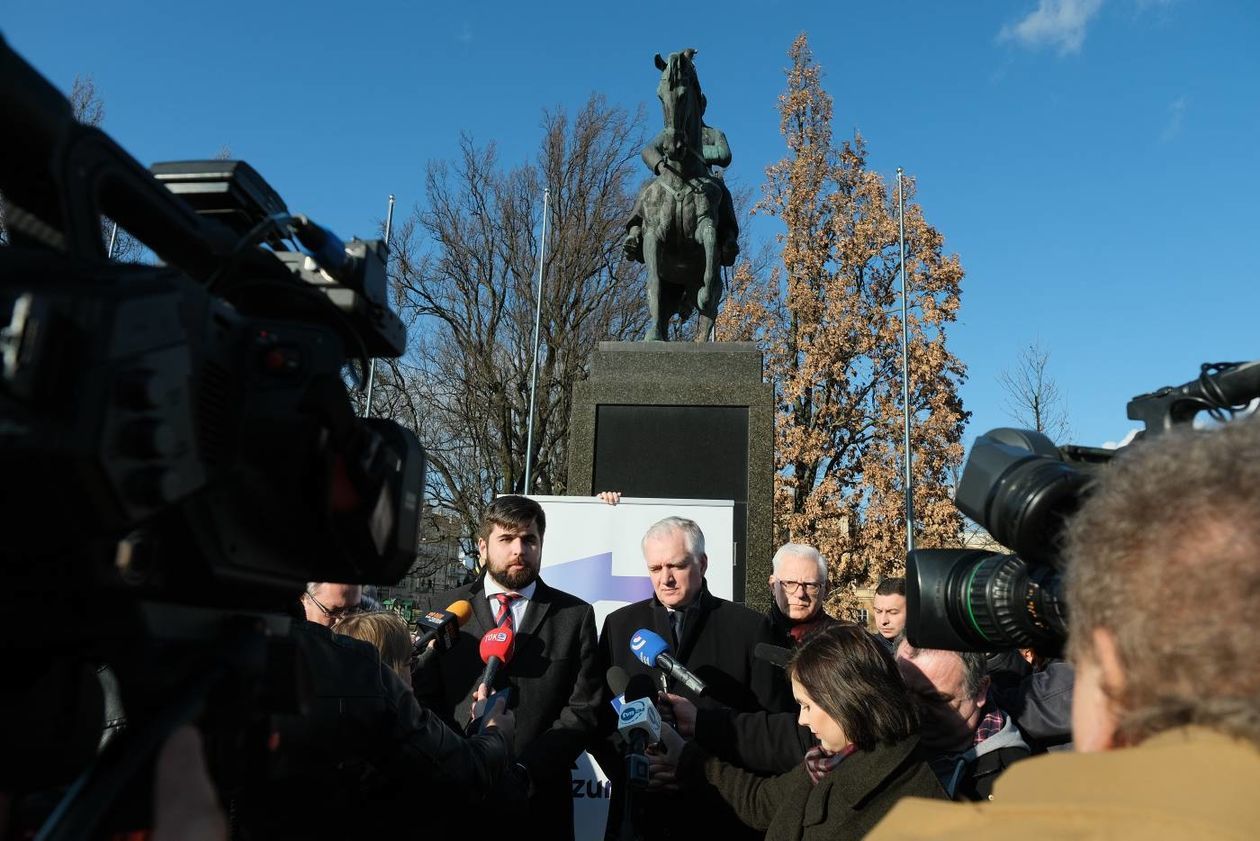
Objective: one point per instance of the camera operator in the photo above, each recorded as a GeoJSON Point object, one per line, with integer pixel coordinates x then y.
{"type": "Point", "coordinates": [366, 740]}
{"type": "Point", "coordinates": [1166, 703]}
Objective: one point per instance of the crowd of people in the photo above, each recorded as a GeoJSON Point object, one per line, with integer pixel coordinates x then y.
{"type": "Point", "coordinates": [810, 727]}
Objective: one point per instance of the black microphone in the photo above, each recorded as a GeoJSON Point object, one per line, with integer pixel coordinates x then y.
{"type": "Point", "coordinates": [639, 686]}
{"type": "Point", "coordinates": [617, 681]}
{"type": "Point", "coordinates": [775, 655]}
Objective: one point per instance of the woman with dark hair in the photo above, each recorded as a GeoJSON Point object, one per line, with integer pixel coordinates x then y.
{"type": "Point", "coordinates": [853, 701]}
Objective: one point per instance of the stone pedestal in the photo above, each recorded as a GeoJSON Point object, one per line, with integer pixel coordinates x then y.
{"type": "Point", "coordinates": [688, 421]}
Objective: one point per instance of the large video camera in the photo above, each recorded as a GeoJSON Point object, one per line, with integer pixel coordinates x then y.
{"type": "Point", "coordinates": [1020, 487]}
{"type": "Point", "coordinates": [178, 448]}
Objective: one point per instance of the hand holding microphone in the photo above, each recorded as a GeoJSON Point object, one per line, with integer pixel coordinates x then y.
{"type": "Point", "coordinates": [440, 628]}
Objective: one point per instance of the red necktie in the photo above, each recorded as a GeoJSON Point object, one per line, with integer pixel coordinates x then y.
{"type": "Point", "coordinates": [503, 618]}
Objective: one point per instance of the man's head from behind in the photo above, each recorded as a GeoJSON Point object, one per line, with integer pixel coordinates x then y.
{"type": "Point", "coordinates": [1163, 590]}
{"type": "Point", "coordinates": [510, 540]}
{"type": "Point", "coordinates": [674, 551]}
{"type": "Point", "coordinates": [890, 607]}
{"type": "Point", "coordinates": [324, 603]}
{"type": "Point", "coordinates": [951, 690]}
{"type": "Point", "coordinates": [799, 581]}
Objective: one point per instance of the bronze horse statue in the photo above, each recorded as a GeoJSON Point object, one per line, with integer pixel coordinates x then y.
{"type": "Point", "coordinates": [679, 210]}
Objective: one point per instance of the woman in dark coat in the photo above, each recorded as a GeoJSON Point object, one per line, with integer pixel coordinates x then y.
{"type": "Point", "coordinates": [867, 759]}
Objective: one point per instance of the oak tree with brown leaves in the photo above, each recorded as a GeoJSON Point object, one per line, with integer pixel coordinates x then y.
{"type": "Point", "coordinates": [829, 321]}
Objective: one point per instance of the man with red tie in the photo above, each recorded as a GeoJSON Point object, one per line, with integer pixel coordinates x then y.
{"type": "Point", "coordinates": [552, 670]}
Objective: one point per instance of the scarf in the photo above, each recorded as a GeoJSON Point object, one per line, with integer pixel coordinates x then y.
{"type": "Point", "coordinates": [820, 762]}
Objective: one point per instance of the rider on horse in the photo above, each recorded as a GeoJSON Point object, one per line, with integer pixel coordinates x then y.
{"type": "Point", "coordinates": [716, 152]}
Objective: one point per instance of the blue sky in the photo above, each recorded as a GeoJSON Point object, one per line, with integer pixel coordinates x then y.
{"type": "Point", "coordinates": [1093, 162]}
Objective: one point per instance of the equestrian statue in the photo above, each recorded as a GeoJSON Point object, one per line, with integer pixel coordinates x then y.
{"type": "Point", "coordinates": [683, 227]}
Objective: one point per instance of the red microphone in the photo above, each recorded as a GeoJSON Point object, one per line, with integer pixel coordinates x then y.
{"type": "Point", "coordinates": [497, 647]}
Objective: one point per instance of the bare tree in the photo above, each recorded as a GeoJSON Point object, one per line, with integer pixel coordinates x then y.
{"type": "Point", "coordinates": [1033, 399]}
{"type": "Point", "coordinates": [464, 272]}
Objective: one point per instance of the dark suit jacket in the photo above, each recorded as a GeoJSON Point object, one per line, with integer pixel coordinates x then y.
{"type": "Point", "coordinates": [717, 646]}
{"type": "Point", "coordinates": [555, 686]}
{"type": "Point", "coordinates": [846, 803]}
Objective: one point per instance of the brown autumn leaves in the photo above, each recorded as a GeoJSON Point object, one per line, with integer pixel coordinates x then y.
{"type": "Point", "coordinates": [829, 319]}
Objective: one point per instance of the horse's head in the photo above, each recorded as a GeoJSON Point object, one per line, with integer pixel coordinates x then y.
{"type": "Point", "coordinates": [681, 103]}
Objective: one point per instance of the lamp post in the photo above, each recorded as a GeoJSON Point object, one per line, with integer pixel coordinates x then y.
{"type": "Point", "coordinates": [905, 363]}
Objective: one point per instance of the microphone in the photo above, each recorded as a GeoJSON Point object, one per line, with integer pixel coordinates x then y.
{"type": "Point", "coordinates": [442, 625]}
{"type": "Point", "coordinates": [497, 647]}
{"type": "Point", "coordinates": [640, 725]}
{"type": "Point", "coordinates": [775, 655]}
{"type": "Point", "coordinates": [617, 681]}
{"type": "Point", "coordinates": [653, 651]}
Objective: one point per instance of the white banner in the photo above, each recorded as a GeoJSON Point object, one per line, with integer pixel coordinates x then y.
{"type": "Point", "coordinates": [593, 550]}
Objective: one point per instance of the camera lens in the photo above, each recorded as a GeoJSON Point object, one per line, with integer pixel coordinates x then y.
{"type": "Point", "coordinates": [970, 600]}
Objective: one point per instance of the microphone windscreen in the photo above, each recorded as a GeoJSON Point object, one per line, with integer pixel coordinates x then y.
{"type": "Point", "coordinates": [640, 686]}
{"type": "Point", "coordinates": [617, 680]}
{"type": "Point", "coordinates": [462, 610]}
{"type": "Point", "coordinates": [497, 642]}
{"type": "Point", "coordinates": [647, 646]}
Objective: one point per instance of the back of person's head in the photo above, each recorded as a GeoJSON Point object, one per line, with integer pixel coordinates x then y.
{"type": "Point", "coordinates": [891, 587]}
{"type": "Point", "coordinates": [853, 678]}
{"type": "Point", "coordinates": [387, 632]}
{"type": "Point", "coordinates": [513, 513]}
{"type": "Point", "coordinates": [1165, 557]}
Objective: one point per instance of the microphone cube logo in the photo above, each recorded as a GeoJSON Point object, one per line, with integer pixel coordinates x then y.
{"type": "Point", "coordinates": [631, 711]}
{"type": "Point", "coordinates": [637, 645]}
{"type": "Point", "coordinates": [497, 636]}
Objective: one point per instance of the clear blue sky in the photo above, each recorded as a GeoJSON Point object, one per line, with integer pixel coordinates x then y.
{"type": "Point", "coordinates": [1095, 163]}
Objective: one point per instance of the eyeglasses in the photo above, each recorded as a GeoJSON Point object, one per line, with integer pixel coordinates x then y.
{"type": "Point", "coordinates": [811, 587]}
{"type": "Point", "coordinates": [336, 612]}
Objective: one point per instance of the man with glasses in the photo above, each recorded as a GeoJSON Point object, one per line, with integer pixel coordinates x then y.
{"type": "Point", "coordinates": [799, 585]}
{"type": "Point", "coordinates": [325, 603]}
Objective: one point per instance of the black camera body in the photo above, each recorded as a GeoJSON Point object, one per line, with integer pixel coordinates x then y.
{"type": "Point", "coordinates": [179, 451]}
{"type": "Point", "coordinates": [1022, 488]}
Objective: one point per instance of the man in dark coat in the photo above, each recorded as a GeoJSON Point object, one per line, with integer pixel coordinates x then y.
{"type": "Point", "coordinates": [715, 640]}
{"type": "Point", "coordinates": [553, 674]}
{"type": "Point", "coordinates": [768, 742]}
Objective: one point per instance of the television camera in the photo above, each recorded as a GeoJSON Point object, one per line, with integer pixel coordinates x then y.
{"type": "Point", "coordinates": [179, 451]}
{"type": "Point", "coordinates": [1022, 488]}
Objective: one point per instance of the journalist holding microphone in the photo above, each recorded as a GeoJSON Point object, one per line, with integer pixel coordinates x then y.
{"type": "Point", "coordinates": [853, 700]}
